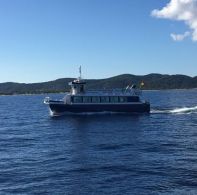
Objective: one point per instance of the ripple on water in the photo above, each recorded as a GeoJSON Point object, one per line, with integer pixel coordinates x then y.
{"type": "Point", "coordinates": [99, 154]}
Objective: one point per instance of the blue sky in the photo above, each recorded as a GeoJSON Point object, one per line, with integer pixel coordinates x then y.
{"type": "Point", "coordinates": [42, 40]}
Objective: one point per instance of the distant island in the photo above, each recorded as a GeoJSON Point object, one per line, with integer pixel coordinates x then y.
{"type": "Point", "coordinates": [151, 82]}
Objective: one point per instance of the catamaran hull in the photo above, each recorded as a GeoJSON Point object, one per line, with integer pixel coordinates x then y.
{"type": "Point", "coordinates": [60, 109]}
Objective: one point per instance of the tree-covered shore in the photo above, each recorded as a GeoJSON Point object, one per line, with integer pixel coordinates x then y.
{"type": "Point", "coordinates": [151, 82]}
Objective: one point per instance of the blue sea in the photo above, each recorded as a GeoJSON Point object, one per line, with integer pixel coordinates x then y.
{"type": "Point", "coordinates": [113, 154]}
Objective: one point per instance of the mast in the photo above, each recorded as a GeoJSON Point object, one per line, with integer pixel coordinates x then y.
{"type": "Point", "coordinates": [80, 73]}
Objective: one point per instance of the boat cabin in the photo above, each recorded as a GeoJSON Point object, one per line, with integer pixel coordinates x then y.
{"type": "Point", "coordinates": [78, 95]}
{"type": "Point", "coordinates": [77, 87]}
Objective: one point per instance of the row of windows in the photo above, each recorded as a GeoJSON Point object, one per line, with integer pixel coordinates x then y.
{"type": "Point", "coordinates": [104, 99]}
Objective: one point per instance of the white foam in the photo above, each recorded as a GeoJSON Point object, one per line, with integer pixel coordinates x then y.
{"type": "Point", "coordinates": [184, 110]}
{"type": "Point", "coordinates": [159, 111]}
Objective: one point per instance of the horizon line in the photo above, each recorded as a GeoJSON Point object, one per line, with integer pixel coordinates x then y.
{"type": "Point", "coordinates": [98, 78]}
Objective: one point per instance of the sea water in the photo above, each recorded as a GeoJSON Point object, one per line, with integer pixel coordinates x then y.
{"type": "Point", "coordinates": [152, 153]}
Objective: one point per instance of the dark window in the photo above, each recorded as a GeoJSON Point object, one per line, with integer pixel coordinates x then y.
{"type": "Point", "coordinates": [122, 99]}
{"type": "Point", "coordinates": [104, 99]}
{"type": "Point", "coordinates": [86, 99]}
{"type": "Point", "coordinates": [95, 99]}
{"type": "Point", "coordinates": [77, 99]}
{"type": "Point", "coordinates": [81, 88]}
{"type": "Point", "coordinates": [114, 99]}
{"type": "Point", "coordinates": [133, 99]}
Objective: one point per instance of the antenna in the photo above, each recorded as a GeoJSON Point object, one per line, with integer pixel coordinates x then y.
{"type": "Point", "coordinates": [80, 72]}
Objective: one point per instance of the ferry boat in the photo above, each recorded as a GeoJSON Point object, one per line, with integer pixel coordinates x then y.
{"type": "Point", "coordinates": [78, 100]}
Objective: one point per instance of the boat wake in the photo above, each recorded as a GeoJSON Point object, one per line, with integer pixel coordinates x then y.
{"type": "Point", "coordinates": [183, 110]}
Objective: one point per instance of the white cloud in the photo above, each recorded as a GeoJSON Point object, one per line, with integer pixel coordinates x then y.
{"type": "Point", "coordinates": [180, 10]}
{"type": "Point", "coordinates": [179, 37]}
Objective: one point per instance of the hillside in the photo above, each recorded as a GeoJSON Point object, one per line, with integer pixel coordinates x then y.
{"type": "Point", "coordinates": [151, 81]}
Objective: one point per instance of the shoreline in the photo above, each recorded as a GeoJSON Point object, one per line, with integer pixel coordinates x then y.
{"type": "Point", "coordinates": [29, 94]}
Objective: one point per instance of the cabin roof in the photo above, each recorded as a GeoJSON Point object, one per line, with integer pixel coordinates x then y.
{"type": "Point", "coordinates": [105, 94]}
{"type": "Point", "coordinates": [77, 82]}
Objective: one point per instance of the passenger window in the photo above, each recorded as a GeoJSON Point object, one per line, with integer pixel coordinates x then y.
{"type": "Point", "coordinates": [104, 99]}
{"type": "Point", "coordinates": [77, 99]}
{"type": "Point", "coordinates": [122, 99]}
{"type": "Point", "coordinates": [133, 99]}
{"type": "Point", "coordinates": [87, 99]}
{"type": "Point", "coordinates": [114, 99]}
{"type": "Point", "coordinates": [95, 99]}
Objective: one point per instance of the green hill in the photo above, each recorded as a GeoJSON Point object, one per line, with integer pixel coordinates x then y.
{"type": "Point", "coordinates": [151, 81]}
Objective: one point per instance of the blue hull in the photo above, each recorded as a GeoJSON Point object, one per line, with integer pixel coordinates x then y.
{"type": "Point", "coordinates": [59, 109]}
